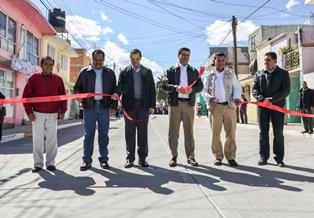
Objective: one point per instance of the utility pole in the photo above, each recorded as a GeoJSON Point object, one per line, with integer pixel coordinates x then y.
{"type": "Point", "coordinates": [235, 54]}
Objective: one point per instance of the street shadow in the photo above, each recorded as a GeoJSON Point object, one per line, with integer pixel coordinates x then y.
{"type": "Point", "coordinates": [61, 181]}
{"type": "Point", "coordinates": [19, 173]}
{"type": "Point", "coordinates": [155, 179]}
{"type": "Point", "coordinates": [25, 146]}
{"type": "Point", "coordinates": [262, 177]}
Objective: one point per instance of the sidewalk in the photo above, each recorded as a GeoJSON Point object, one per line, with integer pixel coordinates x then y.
{"type": "Point", "coordinates": [24, 131]}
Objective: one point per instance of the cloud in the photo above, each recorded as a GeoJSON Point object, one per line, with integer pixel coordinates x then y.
{"type": "Point", "coordinates": [123, 39]}
{"type": "Point", "coordinates": [119, 56]}
{"type": "Point", "coordinates": [292, 3]}
{"type": "Point", "coordinates": [217, 31]}
{"type": "Point", "coordinates": [104, 16]}
{"type": "Point", "coordinates": [86, 28]}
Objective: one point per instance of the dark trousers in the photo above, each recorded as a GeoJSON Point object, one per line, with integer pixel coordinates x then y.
{"type": "Point", "coordinates": [277, 119]}
{"type": "Point", "coordinates": [140, 127]}
{"type": "Point", "coordinates": [243, 116]}
{"type": "Point", "coordinates": [307, 121]}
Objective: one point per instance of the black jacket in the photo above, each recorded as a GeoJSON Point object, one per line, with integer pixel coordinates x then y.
{"type": "Point", "coordinates": [306, 100]}
{"type": "Point", "coordinates": [85, 83]}
{"type": "Point", "coordinates": [126, 88]}
{"type": "Point", "coordinates": [275, 85]}
{"type": "Point", "coordinates": [173, 81]}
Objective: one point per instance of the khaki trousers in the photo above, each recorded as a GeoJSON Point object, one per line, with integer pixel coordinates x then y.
{"type": "Point", "coordinates": [223, 115]}
{"type": "Point", "coordinates": [185, 113]}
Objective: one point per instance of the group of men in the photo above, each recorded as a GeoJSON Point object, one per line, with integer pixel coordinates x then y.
{"type": "Point", "coordinates": [136, 88]}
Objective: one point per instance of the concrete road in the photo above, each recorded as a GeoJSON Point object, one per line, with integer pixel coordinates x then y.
{"type": "Point", "coordinates": [158, 191]}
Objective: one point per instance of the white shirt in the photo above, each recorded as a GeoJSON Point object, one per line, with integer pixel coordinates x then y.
{"type": "Point", "coordinates": [220, 91]}
{"type": "Point", "coordinates": [98, 83]}
{"type": "Point", "coordinates": [183, 80]}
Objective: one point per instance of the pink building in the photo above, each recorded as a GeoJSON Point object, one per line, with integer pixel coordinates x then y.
{"type": "Point", "coordinates": [22, 28]}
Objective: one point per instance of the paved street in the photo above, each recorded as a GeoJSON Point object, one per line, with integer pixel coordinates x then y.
{"type": "Point", "coordinates": [158, 191]}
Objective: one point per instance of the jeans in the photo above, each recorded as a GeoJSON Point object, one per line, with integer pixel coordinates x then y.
{"type": "Point", "coordinates": [265, 116]}
{"type": "Point", "coordinates": [101, 115]}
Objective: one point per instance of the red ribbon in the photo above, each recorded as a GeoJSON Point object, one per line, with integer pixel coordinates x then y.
{"type": "Point", "coordinates": [185, 88]}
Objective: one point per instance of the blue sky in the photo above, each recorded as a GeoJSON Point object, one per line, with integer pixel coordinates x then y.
{"type": "Point", "coordinates": [159, 27]}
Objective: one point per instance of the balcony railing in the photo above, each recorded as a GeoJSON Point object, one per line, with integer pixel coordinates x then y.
{"type": "Point", "coordinates": [7, 45]}
{"type": "Point", "coordinates": [292, 60]}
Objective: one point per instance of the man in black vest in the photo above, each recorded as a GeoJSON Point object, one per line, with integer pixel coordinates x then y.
{"type": "Point", "coordinates": [271, 85]}
{"type": "Point", "coordinates": [137, 87]}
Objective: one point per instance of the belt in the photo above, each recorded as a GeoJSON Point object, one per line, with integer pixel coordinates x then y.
{"type": "Point", "coordinates": [183, 99]}
{"type": "Point", "coordinates": [223, 103]}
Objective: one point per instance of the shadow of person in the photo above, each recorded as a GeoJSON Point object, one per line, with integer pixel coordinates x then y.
{"type": "Point", "coordinates": [155, 179]}
{"type": "Point", "coordinates": [262, 177]}
{"type": "Point", "coordinates": [61, 181]}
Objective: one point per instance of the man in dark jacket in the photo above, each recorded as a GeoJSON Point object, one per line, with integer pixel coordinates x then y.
{"type": "Point", "coordinates": [306, 101]}
{"type": "Point", "coordinates": [2, 115]}
{"type": "Point", "coordinates": [137, 87]}
{"type": "Point", "coordinates": [182, 105]}
{"type": "Point", "coordinates": [271, 85]}
{"type": "Point", "coordinates": [96, 79]}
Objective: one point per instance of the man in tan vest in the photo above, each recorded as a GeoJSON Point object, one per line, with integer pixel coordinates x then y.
{"type": "Point", "coordinates": [222, 91]}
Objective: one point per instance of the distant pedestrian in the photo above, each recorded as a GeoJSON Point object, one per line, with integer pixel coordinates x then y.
{"type": "Point", "coordinates": [2, 115]}
{"type": "Point", "coordinates": [44, 116]}
{"type": "Point", "coordinates": [243, 109]}
{"type": "Point", "coordinates": [306, 101]}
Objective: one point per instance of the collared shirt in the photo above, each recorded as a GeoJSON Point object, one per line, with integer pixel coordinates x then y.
{"type": "Point", "coordinates": [183, 79]}
{"type": "Point", "coordinates": [137, 82]}
{"type": "Point", "coordinates": [220, 90]}
{"type": "Point", "coordinates": [98, 83]}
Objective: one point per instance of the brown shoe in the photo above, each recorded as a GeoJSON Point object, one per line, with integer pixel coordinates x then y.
{"type": "Point", "coordinates": [217, 162]}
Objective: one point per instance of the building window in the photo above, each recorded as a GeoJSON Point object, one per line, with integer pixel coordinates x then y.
{"type": "Point", "coordinates": [32, 45]}
{"type": "Point", "coordinates": [7, 33]}
{"type": "Point", "coordinates": [253, 42]}
{"type": "Point", "coordinates": [51, 51]}
{"type": "Point", "coordinates": [6, 88]}
{"type": "Point", "coordinates": [64, 62]}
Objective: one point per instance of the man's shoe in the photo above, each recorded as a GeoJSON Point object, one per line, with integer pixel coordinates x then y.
{"type": "Point", "coordinates": [281, 164]}
{"type": "Point", "coordinates": [104, 165]}
{"type": "Point", "coordinates": [192, 162]}
{"type": "Point", "coordinates": [217, 162]}
{"type": "Point", "coordinates": [36, 169]}
{"type": "Point", "coordinates": [85, 166]}
{"type": "Point", "coordinates": [232, 163]}
{"type": "Point", "coordinates": [173, 162]}
{"type": "Point", "coordinates": [310, 132]}
{"type": "Point", "coordinates": [143, 163]}
{"type": "Point", "coordinates": [128, 164]}
{"type": "Point", "coordinates": [51, 168]}
{"type": "Point", "coordinates": [262, 162]}
{"type": "Point", "coordinates": [304, 132]}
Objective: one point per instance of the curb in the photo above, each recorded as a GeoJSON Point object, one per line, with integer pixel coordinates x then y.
{"type": "Point", "coordinates": [17, 136]}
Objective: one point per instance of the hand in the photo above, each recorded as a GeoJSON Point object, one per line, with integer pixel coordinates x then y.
{"type": "Point", "coordinates": [115, 97]}
{"type": "Point", "coordinates": [151, 110]}
{"type": "Point", "coordinates": [61, 116]}
{"type": "Point", "coordinates": [31, 117]}
{"type": "Point", "coordinates": [213, 101]}
{"type": "Point", "coordinates": [237, 101]}
{"type": "Point", "coordinates": [113, 112]}
{"type": "Point", "coordinates": [266, 100]}
{"type": "Point", "coordinates": [189, 90]}
{"type": "Point", "coordinates": [179, 89]}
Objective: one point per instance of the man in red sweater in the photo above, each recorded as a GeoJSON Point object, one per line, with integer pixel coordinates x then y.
{"type": "Point", "coordinates": [44, 115]}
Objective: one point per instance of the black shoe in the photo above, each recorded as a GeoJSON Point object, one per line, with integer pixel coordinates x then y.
{"type": "Point", "coordinates": [311, 132]}
{"type": "Point", "coordinates": [51, 168]}
{"type": "Point", "coordinates": [262, 162]}
{"type": "Point", "coordinates": [36, 169]}
{"type": "Point", "coordinates": [104, 165]}
{"type": "Point", "coordinates": [173, 162]}
{"type": "Point", "coordinates": [304, 132]}
{"type": "Point", "coordinates": [85, 166]}
{"type": "Point", "coordinates": [232, 163]}
{"type": "Point", "coordinates": [192, 162]}
{"type": "Point", "coordinates": [217, 162]}
{"type": "Point", "coordinates": [143, 163]}
{"type": "Point", "coordinates": [281, 164]}
{"type": "Point", "coordinates": [128, 164]}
